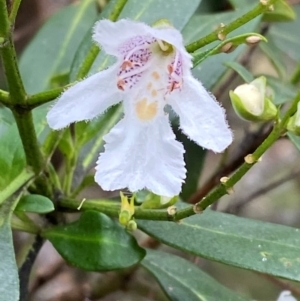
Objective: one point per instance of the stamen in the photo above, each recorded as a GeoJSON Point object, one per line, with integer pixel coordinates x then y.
{"type": "Point", "coordinates": [170, 69]}
{"type": "Point", "coordinates": [126, 64]}
{"type": "Point", "coordinates": [134, 71]}
{"type": "Point", "coordinates": [121, 84]}
{"type": "Point", "coordinates": [163, 46]}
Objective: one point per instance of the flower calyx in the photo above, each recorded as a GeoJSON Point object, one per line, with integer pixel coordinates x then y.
{"type": "Point", "coordinates": [251, 103]}
{"type": "Point", "coordinates": [154, 201]}
{"type": "Point", "coordinates": [294, 122]}
{"type": "Point", "coordinates": [127, 211]}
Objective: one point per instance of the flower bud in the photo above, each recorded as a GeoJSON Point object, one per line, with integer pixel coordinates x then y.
{"type": "Point", "coordinates": [294, 122]}
{"type": "Point", "coordinates": [250, 102]}
{"type": "Point", "coordinates": [127, 209]}
{"type": "Point", "coordinates": [131, 226]}
{"type": "Point", "coordinates": [154, 201]}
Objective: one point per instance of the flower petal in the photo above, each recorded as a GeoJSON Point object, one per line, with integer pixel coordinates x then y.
{"type": "Point", "coordinates": [139, 155]}
{"type": "Point", "coordinates": [111, 35]}
{"type": "Point", "coordinates": [201, 118]}
{"type": "Point", "coordinates": [86, 99]}
{"type": "Point", "coordinates": [286, 296]}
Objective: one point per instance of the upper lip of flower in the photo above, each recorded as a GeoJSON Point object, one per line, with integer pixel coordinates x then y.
{"type": "Point", "coordinates": [152, 70]}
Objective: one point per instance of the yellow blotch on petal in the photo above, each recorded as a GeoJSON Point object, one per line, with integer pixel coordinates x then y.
{"type": "Point", "coordinates": [153, 93]}
{"type": "Point", "coordinates": [146, 111]}
{"type": "Point", "coordinates": [155, 75]}
{"type": "Point", "coordinates": [149, 86]}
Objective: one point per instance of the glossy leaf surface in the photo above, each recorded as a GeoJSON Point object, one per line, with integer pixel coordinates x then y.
{"type": "Point", "coordinates": [9, 278]}
{"type": "Point", "coordinates": [95, 243]}
{"type": "Point", "coordinates": [182, 280]}
{"type": "Point", "coordinates": [249, 244]}
{"type": "Point", "coordinates": [35, 203]}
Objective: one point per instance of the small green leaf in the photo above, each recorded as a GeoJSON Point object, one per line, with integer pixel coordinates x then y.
{"type": "Point", "coordinates": [35, 203]}
{"type": "Point", "coordinates": [281, 11]}
{"type": "Point", "coordinates": [95, 243]}
{"type": "Point", "coordinates": [241, 242]}
{"type": "Point", "coordinates": [9, 278]}
{"type": "Point", "coordinates": [241, 71]}
{"type": "Point", "coordinates": [182, 280]}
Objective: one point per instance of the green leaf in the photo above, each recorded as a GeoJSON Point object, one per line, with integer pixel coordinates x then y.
{"type": "Point", "coordinates": [282, 11]}
{"type": "Point", "coordinates": [241, 70]}
{"type": "Point", "coordinates": [275, 55]}
{"type": "Point", "coordinates": [212, 69]}
{"type": "Point", "coordinates": [51, 51]}
{"type": "Point", "coordinates": [295, 140]}
{"type": "Point", "coordinates": [12, 156]}
{"type": "Point", "coordinates": [182, 280]}
{"type": "Point", "coordinates": [282, 91]}
{"type": "Point", "coordinates": [95, 243]}
{"type": "Point", "coordinates": [35, 203]}
{"type": "Point", "coordinates": [283, 35]}
{"type": "Point", "coordinates": [194, 158]}
{"type": "Point", "coordinates": [9, 278]}
{"type": "Point", "coordinates": [249, 244]}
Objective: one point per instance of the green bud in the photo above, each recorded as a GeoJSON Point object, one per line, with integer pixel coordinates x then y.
{"type": "Point", "coordinates": [127, 209]}
{"type": "Point", "coordinates": [154, 201]}
{"type": "Point", "coordinates": [124, 217]}
{"type": "Point", "coordinates": [250, 102]}
{"type": "Point", "coordinates": [131, 225]}
{"type": "Point", "coordinates": [294, 122]}
{"type": "Point", "coordinates": [162, 23]}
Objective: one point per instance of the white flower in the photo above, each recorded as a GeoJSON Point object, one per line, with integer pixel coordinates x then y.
{"type": "Point", "coordinates": [286, 296]}
{"type": "Point", "coordinates": [152, 70]}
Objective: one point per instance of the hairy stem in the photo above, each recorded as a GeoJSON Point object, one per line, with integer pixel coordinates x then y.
{"type": "Point", "coordinates": [214, 36]}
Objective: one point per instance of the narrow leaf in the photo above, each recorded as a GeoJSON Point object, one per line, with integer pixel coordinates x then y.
{"type": "Point", "coordinates": [249, 244]}
{"type": "Point", "coordinates": [241, 70]}
{"type": "Point", "coordinates": [9, 279]}
{"type": "Point", "coordinates": [182, 280]}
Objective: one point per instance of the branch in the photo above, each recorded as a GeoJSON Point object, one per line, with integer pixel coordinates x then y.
{"type": "Point", "coordinates": [214, 36]}
{"type": "Point", "coordinates": [113, 209]}
{"type": "Point", "coordinates": [24, 272]}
